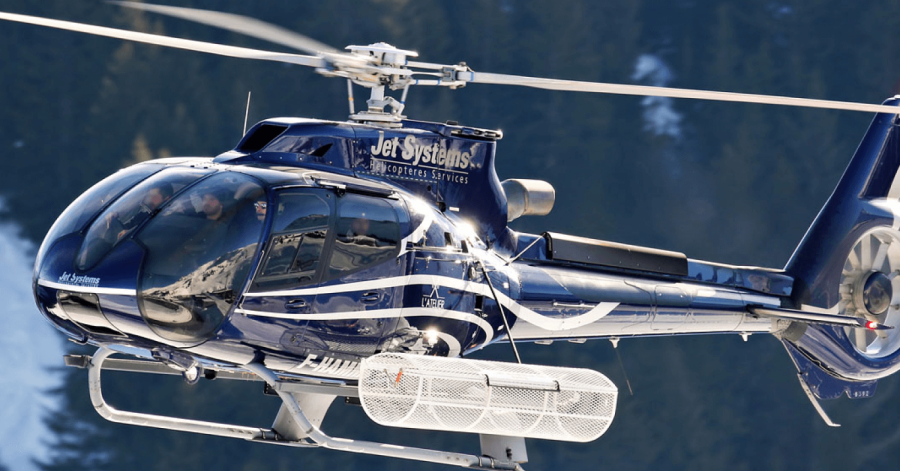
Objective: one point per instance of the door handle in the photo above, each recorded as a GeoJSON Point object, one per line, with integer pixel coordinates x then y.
{"type": "Point", "coordinates": [371, 297]}
{"type": "Point", "coordinates": [295, 304]}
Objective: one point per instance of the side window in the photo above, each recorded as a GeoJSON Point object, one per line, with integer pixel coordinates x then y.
{"type": "Point", "coordinates": [366, 233]}
{"type": "Point", "coordinates": [308, 244]}
{"type": "Point", "coordinates": [299, 233]}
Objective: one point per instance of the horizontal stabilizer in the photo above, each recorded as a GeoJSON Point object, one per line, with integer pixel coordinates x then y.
{"type": "Point", "coordinates": [816, 317]}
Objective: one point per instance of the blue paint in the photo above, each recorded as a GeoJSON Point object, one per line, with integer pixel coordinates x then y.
{"type": "Point", "coordinates": [311, 309]}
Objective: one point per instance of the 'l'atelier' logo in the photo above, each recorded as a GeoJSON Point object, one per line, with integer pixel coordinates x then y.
{"type": "Point", "coordinates": [433, 299]}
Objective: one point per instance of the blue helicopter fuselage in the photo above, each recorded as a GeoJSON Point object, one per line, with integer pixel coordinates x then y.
{"type": "Point", "coordinates": [316, 244]}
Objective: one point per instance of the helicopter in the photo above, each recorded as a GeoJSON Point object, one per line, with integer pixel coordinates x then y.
{"type": "Point", "coordinates": [317, 321]}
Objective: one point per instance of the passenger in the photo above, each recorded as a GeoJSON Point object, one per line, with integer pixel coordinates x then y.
{"type": "Point", "coordinates": [359, 232]}
{"type": "Point", "coordinates": [157, 196]}
{"type": "Point", "coordinates": [260, 210]}
{"type": "Point", "coordinates": [359, 227]}
{"type": "Point", "coordinates": [246, 193]}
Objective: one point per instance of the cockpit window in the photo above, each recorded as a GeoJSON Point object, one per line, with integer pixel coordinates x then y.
{"type": "Point", "coordinates": [91, 201]}
{"type": "Point", "coordinates": [366, 233]}
{"type": "Point", "coordinates": [121, 218]}
{"type": "Point", "coordinates": [199, 251]}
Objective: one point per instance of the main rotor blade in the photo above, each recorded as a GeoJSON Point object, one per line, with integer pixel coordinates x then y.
{"type": "Point", "coordinates": [178, 43]}
{"type": "Point", "coordinates": [644, 90]}
{"type": "Point", "coordinates": [238, 24]}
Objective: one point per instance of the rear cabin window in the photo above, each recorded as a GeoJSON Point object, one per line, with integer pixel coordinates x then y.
{"type": "Point", "coordinates": [366, 233]}
{"type": "Point", "coordinates": [310, 243]}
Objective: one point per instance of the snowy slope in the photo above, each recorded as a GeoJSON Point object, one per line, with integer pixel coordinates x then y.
{"type": "Point", "coordinates": [29, 346]}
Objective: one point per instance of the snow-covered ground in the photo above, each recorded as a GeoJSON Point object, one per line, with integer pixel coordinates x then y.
{"type": "Point", "coordinates": [660, 116]}
{"type": "Point", "coordinates": [29, 348]}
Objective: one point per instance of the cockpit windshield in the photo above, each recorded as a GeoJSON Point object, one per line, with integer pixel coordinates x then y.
{"type": "Point", "coordinates": [91, 201]}
{"type": "Point", "coordinates": [130, 211]}
{"type": "Point", "coordinates": [199, 252]}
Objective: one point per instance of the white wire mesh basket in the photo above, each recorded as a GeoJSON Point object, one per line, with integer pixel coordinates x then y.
{"type": "Point", "coordinates": [486, 397]}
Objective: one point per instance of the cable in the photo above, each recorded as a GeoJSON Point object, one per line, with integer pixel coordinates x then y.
{"type": "Point", "coordinates": [512, 341]}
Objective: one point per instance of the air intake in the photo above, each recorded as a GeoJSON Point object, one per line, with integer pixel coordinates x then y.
{"type": "Point", "coordinates": [260, 137]}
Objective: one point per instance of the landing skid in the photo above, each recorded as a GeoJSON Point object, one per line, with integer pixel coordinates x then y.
{"type": "Point", "coordinates": [293, 426]}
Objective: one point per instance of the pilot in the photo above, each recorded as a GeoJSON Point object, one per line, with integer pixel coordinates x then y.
{"type": "Point", "coordinates": [206, 243]}
{"type": "Point", "coordinates": [154, 198]}
{"type": "Point", "coordinates": [211, 206]}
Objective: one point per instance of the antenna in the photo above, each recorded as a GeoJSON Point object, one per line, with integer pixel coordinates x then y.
{"type": "Point", "coordinates": [350, 96]}
{"type": "Point", "coordinates": [246, 114]}
{"type": "Point", "coordinates": [615, 345]}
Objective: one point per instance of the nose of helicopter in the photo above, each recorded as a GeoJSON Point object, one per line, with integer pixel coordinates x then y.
{"type": "Point", "coordinates": [171, 274]}
{"type": "Point", "coordinates": [90, 305]}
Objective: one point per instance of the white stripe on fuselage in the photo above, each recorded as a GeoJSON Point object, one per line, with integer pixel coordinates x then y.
{"type": "Point", "coordinates": [383, 313]}
{"type": "Point", "coordinates": [88, 289]}
{"type": "Point", "coordinates": [419, 233]}
{"type": "Point", "coordinates": [547, 323]}
{"type": "Point", "coordinates": [539, 320]}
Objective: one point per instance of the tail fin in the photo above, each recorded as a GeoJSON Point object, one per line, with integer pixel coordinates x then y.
{"type": "Point", "coordinates": [848, 263]}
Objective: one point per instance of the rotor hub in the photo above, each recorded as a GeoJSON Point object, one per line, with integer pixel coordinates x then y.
{"type": "Point", "coordinates": [384, 54]}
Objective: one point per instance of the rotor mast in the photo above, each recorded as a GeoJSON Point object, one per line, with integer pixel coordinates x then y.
{"type": "Point", "coordinates": [386, 66]}
{"type": "Point", "coordinates": [384, 55]}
